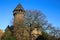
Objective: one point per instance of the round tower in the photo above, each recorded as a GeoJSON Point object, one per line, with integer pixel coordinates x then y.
{"type": "Point", "coordinates": [18, 13]}
{"type": "Point", "coordinates": [18, 26]}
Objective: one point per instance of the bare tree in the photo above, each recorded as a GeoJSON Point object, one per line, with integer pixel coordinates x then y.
{"type": "Point", "coordinates": [34, 19]}
{"type": "Point", "coordinates": [52, 31]}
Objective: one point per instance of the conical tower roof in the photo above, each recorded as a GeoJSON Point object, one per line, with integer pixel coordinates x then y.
{"type": "Point", "coordinates": [19, 7]}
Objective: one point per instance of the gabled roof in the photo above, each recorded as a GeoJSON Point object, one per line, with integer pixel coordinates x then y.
{"type": "Point", "coordinates": [19, 7]}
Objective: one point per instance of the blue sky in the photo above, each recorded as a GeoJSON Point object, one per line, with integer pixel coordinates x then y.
{"type": "Point", "coordinates": [51, 8]}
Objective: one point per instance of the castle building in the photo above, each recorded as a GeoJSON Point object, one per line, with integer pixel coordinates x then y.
{"type": "Point", "coordinates": [19, 30]}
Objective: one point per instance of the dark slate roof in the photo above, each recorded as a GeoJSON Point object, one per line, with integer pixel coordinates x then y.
{"type": "Point", "coordinates": [19, 7]}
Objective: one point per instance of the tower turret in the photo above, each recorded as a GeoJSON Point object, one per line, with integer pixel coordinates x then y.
{"type": "Point", "coordinates": [18, 28]}
{"type": "Point", "coordinates": [18, 13]}
{"type": "Point", "coordinates": [18, 9]}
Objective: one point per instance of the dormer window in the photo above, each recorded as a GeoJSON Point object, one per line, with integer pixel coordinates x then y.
{"type": "Point", "coordinates": [20, 10]}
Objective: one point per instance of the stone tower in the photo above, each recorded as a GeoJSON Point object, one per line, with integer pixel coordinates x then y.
{"type": "Point", "coordinates": [18, 14]}
{"type": "Point", "coordinates": [18, 29]}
